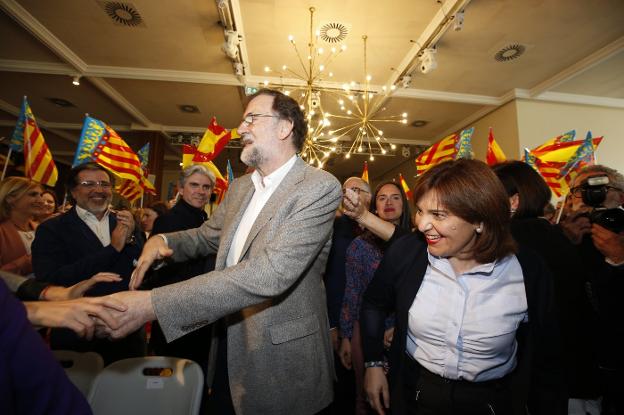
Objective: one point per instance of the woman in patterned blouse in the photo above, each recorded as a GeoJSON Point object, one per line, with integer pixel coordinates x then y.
{"type": "Point", "coordinates": [363, 256]}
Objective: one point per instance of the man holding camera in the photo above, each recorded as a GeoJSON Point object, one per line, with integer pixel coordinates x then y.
{"type": "Point", "coordinates": [594, 221]}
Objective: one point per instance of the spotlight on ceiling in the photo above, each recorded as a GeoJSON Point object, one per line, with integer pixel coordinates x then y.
{"type": "Point", "coordinates": [427, 60]}
{"type": "Point", "coordinates": [406, 81]}
{"type": "Point", "coordinates": [458, 21]}
{"type": "Point", "coordinates": [76, 80]}
{"type": "Point", "coordinates": [230, 46]}
{"type": "Point", "coordinates": [405, 151]}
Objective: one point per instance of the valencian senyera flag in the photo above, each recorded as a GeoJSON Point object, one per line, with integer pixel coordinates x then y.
{"type": "Point", "coordinates": [99, 143]}
{"type": "Point", "coordinates": [27, 138]}
{"type": "Point", "coordinates": [132, 190]}
{"type": "Point", "coordinates": [549, 170]}
{"type": "Point", "coordinates": [583, 157]}
{"type": "Point", "coordinates": [494, 154]}
{"type": "Point", "coordinates": [463, 147]}
{"type": "Point", "coordinates": [440, 151]}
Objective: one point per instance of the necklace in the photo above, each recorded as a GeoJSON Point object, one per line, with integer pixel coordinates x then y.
{"type": "Point", "coordinates": [19, 228]}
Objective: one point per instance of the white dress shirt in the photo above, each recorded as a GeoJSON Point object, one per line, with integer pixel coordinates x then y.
{"type": "Point", "coordinates": [100, 227]}
{"type": "Point", "coordinates": [464, 326]}
{"type": "Point", "coordinates": [265, 186]}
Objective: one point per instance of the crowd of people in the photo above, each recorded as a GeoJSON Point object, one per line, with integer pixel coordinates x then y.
{"type": "Point", "coordinates": [298, 295]}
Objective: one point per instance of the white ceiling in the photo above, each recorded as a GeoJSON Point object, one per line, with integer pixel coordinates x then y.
{"type": "Point", "coordinates": [134, 78]}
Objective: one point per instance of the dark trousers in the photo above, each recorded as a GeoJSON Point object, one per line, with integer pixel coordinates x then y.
{"type": "Point", "coordinates": [220, 401]}
{"type": "Point", "coordinates": [435, 395]}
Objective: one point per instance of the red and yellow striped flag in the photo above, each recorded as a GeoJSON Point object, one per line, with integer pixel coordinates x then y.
{"type": "Point", "coordinates": [406, 189]}
{"type": "Point", "coordinates": [550, 171]}
{"type": "Point", "coordinates": [365, 172]}
{"type": "Point", "coordinates": [188, 159]}
{"type": "Point", "coordinates": [39, 165]}
{"type": "Point", "coordinates": [494, 154]}
{"type": "Point", "coordinates": [441, 151]}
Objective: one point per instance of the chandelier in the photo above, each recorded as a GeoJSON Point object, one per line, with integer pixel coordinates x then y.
{"type": "Point", "coordinates": [362, 112]}
{"type": "Point", "coordinates": [304, 84]}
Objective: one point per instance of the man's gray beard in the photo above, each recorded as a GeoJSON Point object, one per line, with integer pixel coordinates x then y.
{"type": "Point", "coordinates": [252, 158]}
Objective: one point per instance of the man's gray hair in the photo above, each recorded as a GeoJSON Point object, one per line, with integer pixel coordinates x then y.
{"type": "Point", "coordinates": [196, 168]}
{"type": "Point", "coordinates": [365, 185]}
{"type": "Point", "coordinates": [616, 179]}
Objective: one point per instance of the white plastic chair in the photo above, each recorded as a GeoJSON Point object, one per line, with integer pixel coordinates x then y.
{"type": "Point", "coordinates": [148, 385]}
{"type": "Point", "coordinates": [81, 368]}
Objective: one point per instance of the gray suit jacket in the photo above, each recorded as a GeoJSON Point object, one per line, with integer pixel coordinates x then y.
{"type": "Point", "coordinates": [280, 360]}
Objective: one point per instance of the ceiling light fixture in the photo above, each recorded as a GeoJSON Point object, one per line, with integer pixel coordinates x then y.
{"type": "Point", "coordinates": [76, 80]}
{"type": "Point", "coordinates": [367, 106]}
{"type": "Point", "coordinates": [318, 146]}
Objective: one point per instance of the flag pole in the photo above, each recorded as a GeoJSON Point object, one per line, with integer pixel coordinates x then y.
{"type": "Point", "coordinates": [561, 209]}
{"type": "Point", "coordinates": [6, 162]}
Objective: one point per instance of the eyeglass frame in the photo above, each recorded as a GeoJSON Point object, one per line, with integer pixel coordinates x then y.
{"type": "Point", "coordinates": [249, 118]}
{"type": "Point", "coordinates": [92, 184]}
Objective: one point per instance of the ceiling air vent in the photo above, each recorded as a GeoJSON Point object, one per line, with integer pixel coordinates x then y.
{"type": "Point", "coordinates": [190, 109]}
{"type": "Point", "coordinates": [510, 52]}
{"type": "Point", "coordinates": [60, 102]}
{"type": "Point", "coordinates": [123, 14]}
{"type": "Point", "coordinates": [333, 32]}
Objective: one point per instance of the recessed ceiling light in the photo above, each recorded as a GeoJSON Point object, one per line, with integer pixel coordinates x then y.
{"type": "Point", "coordinates": [190, 109]}
{"type": "Point", "coordinates": [60, 102]}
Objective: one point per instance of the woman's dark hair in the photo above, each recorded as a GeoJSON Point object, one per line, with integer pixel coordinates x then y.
{"type": "Point", "coordinates": [405, 221]}
{"type": "Point", "coordinates": [469, 189]}
{"type": "Point", "coordinates": [533, 192]}
{"type": "Point", "coordinates": [159, 207]}
{"type": "Point", "coordinates": [288, 109]}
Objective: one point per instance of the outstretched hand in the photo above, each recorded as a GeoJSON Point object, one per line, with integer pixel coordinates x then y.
{"type": "Point", "coordinates": [352, 205]}
{"type": "Point", "coordinates": [155, 249]}
{"type": "Point", "coordinates": [57, 293]}
{"type": "Point", "coordinates": [78, 315]}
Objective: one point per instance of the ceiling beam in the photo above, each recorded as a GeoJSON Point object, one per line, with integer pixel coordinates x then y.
{"type": "Point", "coordinates": [41, 33]}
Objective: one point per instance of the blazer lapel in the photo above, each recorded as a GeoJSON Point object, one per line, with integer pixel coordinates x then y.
{"type": "Point", "coordinates": [287, 187]}
{"type": "Point", "coordinates": [88, 234]}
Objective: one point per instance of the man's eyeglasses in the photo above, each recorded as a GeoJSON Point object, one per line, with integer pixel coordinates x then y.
{"type": "Point", "coordinates": [357, 190]}
{"type": "Point", "coordinates": [89, 184]}
{"type": "Point", "coordinates": [250, 118]}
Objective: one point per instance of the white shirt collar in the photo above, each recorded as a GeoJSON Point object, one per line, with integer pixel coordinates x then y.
{"type": "Point", "coordinates": [444, 264]}
{"type": "Point", "coordinates": [272, 180]}
{"type": "Point", "coordinates": [86, 216]}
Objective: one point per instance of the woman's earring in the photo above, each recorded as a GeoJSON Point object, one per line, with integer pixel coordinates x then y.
{"type": "Point", "coordinates": [478, 230]}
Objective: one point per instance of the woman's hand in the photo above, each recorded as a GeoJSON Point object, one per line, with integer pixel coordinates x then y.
{"type": "Point", "coordinates": [388, 335]}
{"type": "Point", "coordinates": [56, 293]}
{"type": "Point", "coordinates": [345, 353]}
{"type": "Point", "coordinates": [376, 387]}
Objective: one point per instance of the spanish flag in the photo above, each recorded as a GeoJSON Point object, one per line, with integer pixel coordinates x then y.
{"type": "Point", "coordinates": [406, 189]}
{"type": "Point", "coordinates": [214, 140]}
{"type": "Point", "coordinates": [442, 150]}
{"type": "Point", "coordinates": [494, 154]}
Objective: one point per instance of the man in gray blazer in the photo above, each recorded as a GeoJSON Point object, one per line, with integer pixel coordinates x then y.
{"type": "Point", "coordinates": [272, 237]}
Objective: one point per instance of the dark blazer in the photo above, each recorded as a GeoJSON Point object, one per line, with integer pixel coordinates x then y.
{"type": "Point", "coordinates": [65, 251]}
{"type": "Point", "coordinates": [31, 380]}
{"type": "Point", "coordinates": [537, 380]}
{"type": "Point", "coordinates": [181, 217]}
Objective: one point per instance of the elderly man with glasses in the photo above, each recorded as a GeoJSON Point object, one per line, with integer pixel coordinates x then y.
{"type": "Point", "coordinates": [88, 239]}
{"type": "Point", "coordinates": [593, 219]}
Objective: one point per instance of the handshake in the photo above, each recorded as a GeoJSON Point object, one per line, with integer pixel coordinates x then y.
{"type": "Point", "coordinates": [113, 316]}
